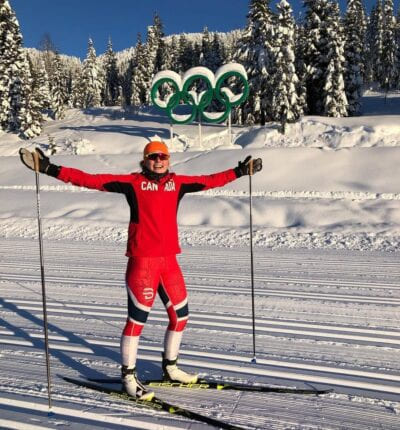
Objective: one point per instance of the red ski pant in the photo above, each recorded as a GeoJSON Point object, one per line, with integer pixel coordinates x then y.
{"type": "Point", "coordinates": [145, 276]}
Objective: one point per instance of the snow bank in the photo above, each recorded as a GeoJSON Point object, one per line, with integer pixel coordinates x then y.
{"type": "Point", "coordinates": [328, 183]}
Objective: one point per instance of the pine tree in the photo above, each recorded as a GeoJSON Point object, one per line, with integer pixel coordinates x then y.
{"type": "Point", "coordinates": [388, 57]}
{"type": "Point", "coordinates": [375, 43]}
{"type": "Point", "coordinates": [91, 79]}
{"type": "Point", "coordinates": [227, 53]}
{"type": "Point", "coordinates": [285, 99]}
{"type": "Point", "coordinates": [39, 100]}
{"type": "Point", "coordinates": [8, 30]}
{"type": "Point", "coordinates": [323, 56]}
{"type": "Point", "coordinates": [166, 59]}
{"type": "Point", "coordinates": [152, 56]}
{"type": "Point", "coordinates": [127, 84]}
{"type": "Point", "coordinates": [187, 55]}
{"type": "Point", "coordinates": [112, 81]}
{"type": "Point", "coordinates": [301, 67]}
{"type": "Point", "coordinates": [314, 54]}
{"type": "Point", "coordinates": [77, 90]}
{"type": "Point", "coordinates": [31, 117]}
{"type": "Point", "coordinates": [10, 72]}
{"type": "Point", "coordinates": [18, 109]}
{"type": "Point", "coordinates": [69, 78]}
{"type": "Point", "coordinates": [139, 75]}
{"type": "Point", "coordinates": [216, 53]}
{"type": "Point", "coordinates": [334, 97]}
{"type": "Point", "coordinates": [397, 37]}
{"type": "Point", "coordinates": [255, 52]}
{"type": "Point", "coordinates": [48, 50]}
{"type": "Point", "coordinates": [193, 55]}
{"type": "Point", "coordinates": [355, 41]}
{"type": "Point", "coordinates": [41, 84]}
{"type": "Point", "coordinates": [161, 50]}
{"type": "Point", "coordinates": [173, 48]}
{"type": "Point", "coordinates": [205, 58]}
{"type": "Point", "coordinates": [57, 89]}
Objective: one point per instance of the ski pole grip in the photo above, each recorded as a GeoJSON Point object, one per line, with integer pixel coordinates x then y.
{"type": "Point", "coordinates": [251, 172]}
{"type": "Point", "coordinates": [36, 161]}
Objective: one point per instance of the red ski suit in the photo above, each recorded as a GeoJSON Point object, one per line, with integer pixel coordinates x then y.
{"type": "Point", "coordinates": [152, 237]}
{"type": "Point", "coordinates": [153, 229]}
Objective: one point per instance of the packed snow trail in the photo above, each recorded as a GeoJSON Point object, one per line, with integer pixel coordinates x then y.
{"type": "Point", "coordinates": [317, 326]}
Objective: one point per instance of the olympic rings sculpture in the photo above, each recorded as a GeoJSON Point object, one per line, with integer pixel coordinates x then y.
{"type": "Point", "coordinates": [199, 101]}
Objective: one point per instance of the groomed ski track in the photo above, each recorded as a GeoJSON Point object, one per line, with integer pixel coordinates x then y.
{"type": "Point", "coordinates": [324, 319]}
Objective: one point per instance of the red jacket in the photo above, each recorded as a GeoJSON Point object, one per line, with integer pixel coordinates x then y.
{"type": "Point", "coordinates": [153, 229]}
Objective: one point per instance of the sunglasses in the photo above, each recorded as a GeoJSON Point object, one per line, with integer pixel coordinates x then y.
{"type": "Point", "coordinates": [157, 155]}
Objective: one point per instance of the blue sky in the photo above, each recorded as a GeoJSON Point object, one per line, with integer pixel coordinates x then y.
{"type": "Point", "coordinates": [71, 22]}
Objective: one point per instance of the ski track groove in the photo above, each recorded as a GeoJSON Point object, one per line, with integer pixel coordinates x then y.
{"type": "Point", "coordinates": [216, 277]}
{"type": "Point", "coordinates": [244, 290]}
{"type": "Point", "coordinates": [305, 277]}
{"type": "Point", "coordinates": [335, 332]}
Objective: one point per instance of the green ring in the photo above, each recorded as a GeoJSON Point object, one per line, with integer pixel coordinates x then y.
{"type": "Point", "coordinates": [175, 99]}
{"type": "Point", "coordinates": [155, 87]}
{"type": "Point", "coordinates": [206, 98]}
{"type": "Point", "coordinates": [224, 115]}
{"type": "Point", "coordinates": [220, 95]}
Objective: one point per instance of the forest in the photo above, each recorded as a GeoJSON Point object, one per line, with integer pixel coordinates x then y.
{"type": "Point", "coordinates": [318, 66]}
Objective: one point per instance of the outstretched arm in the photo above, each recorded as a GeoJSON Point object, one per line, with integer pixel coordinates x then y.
{"type": "Point", "coordinates": [192, 184]}
{"type": "Point", "coordinates": [107, 182]}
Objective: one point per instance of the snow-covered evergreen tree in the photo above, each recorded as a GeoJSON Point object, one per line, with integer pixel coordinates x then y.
{"type": "Point", "coordinates": [285, 107]}
{"type": "Point", "coordinates": [301, 67]}
{"type": "Point", "coordinates": [387, 78]}
{"type": "Point", "coordinates": [126, 84]}
{"type": "Point", "coordinates": [322, 51]}
{"type": "Point", "coordinates": [334, 97]}
{"type": "Point", "coordinates": [57, 88]}
{"type": "Point", "coordinates": [77, 91]}
{"type": "Point", "coordinates": [31, 116]}
{"type": "Point", "coordinates": [166, 58]}
{"type": "Point", "coordinates": [139, 75]}
{"type": "Point", "coordinates": [173, 49]}
{"type": "Point", "coordinates": [48, 50]}
{"type": "Point", "coordinates": [152, 56]}
{"type": "Point", "coordinates": [112, 81]}
{"type": "Point", "coordinates": [162, 52]}
{"type": "Point", "coordinates": [41, 84]}
{"type": "Point", "coordinates": [8, 33]}
{"type": "Point", "coordinates": [205, 58]}
{"type": "Point", "coordinates": [355, 25]}
{"type": "Point", "coordinates": [375, 43]}
{"type": "Point", "coordinates": [39, 101]}
{"type": "Point", "coordinates": [217, 50]}
{"type": "Point", "coordinates": [92, 82]}
{"type": "Point", "coordinates": [313, 52]}
{"type": "Point", "coordinates": [18, 109]}
{"type": "Point", "coordinates": [397, 37]}
{"type": "Point", "coordinates": [255, 53]}
{"type": "Point", "coordinates": [186, 56]}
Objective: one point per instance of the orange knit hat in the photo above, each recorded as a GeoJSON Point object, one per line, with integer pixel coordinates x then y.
{"type": "Point", "coordinates": [155, 147]}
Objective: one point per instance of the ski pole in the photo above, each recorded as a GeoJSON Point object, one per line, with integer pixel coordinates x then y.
{"type": "Point", "coordinates": [46, 336]}
{"type": "Point", "coordinates": [254, 360]}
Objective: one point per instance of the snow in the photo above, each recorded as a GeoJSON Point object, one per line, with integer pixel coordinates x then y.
{"type": "Point", "coordinates": [228, 68]}
{"type": "Point", "coordinates": [326, 217]}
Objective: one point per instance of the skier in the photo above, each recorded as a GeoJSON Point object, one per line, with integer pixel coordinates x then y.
{"type": "Point", "coordinates": [153, 196]}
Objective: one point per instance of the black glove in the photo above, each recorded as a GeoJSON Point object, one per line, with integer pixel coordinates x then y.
{"type": "Point", "coordinates": [45, 166]}
{"type": "Point", "coordinates": [245, 168]}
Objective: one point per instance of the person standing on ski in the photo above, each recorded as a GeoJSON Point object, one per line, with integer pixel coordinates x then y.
{"type": "Point", "coordinates": [153, 196]}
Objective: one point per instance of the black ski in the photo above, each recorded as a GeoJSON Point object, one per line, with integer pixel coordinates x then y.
{"type": "Point", "coordinates": [155, 404]}
{"type": "Point", "coordinates": [204, 384]}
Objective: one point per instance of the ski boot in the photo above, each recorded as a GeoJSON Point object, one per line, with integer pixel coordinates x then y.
{"type": "Point", "coordinates": [172, 373]}
{"type": "Point", "coordinates": [133, 386]}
